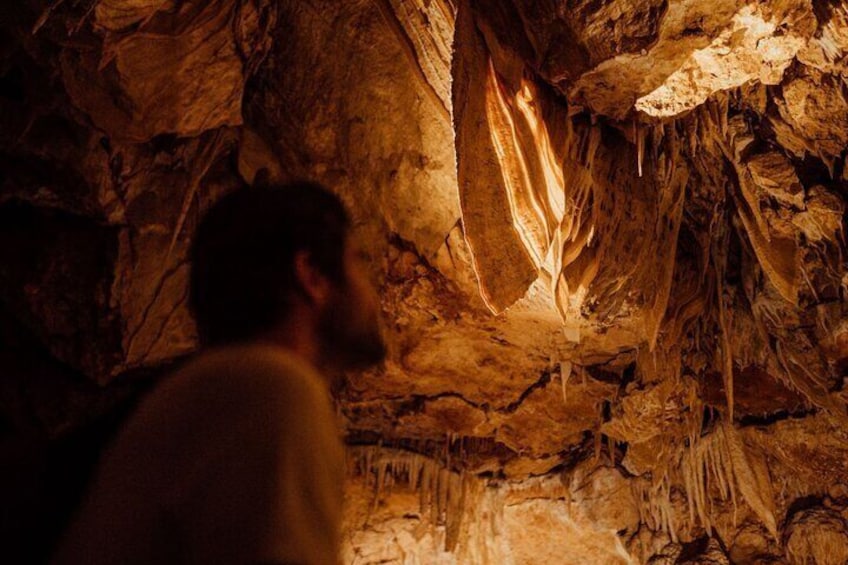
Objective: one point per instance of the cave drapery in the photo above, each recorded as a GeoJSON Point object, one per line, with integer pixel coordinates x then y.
{"type": "Point", "coordinates": [610, 239]}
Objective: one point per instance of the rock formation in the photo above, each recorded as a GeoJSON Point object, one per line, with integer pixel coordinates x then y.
{"type": "Point", "coordinates": [610, 240]}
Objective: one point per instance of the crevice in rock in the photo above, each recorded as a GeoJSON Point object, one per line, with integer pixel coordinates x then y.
{"type": "Point", "coordinates": [779, 416]}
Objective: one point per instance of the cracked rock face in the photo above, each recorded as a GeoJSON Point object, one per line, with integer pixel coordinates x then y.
{"type": "Point", "coordinates": [610, 240]}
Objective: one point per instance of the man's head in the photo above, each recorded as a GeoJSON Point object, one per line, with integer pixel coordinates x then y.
{"type": "Point", "coordinates": [274, 257]}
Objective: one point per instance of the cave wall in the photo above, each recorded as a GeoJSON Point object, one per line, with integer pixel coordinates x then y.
{"type": "Point", "coordinates": [609, 239]}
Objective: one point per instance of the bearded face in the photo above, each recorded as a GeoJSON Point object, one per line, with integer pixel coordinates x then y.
{"type": "Point", "coordinates": [348, 326]}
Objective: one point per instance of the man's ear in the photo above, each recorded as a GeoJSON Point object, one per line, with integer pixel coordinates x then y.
{"type": "Point", "coordinates": [314, 284]}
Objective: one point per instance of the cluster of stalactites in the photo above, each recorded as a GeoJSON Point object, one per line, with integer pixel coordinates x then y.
{"type": "Point", "coordinates": [714, 467]}
{"type": "Point", "coordinates": [441, 492]}
{"type": "Point", "coordinates": [577, 202]}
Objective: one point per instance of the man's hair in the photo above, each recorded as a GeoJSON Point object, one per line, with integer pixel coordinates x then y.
{"type": "Point", "coordinates": [242, 272]}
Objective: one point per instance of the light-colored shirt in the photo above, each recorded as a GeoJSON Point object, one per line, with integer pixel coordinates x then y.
{"type": "Point", "coordinates": [236, 458]}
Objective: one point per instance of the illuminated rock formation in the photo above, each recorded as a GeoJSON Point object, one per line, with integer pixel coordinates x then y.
{"type": "Point", "coordinates": [610, 240]}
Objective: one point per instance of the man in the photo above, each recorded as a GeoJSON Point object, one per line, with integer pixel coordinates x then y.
{"type": "Point", "coordinates": [236, 457]}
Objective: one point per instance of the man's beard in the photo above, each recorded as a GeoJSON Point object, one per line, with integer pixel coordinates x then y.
{"type": "Point", "coordinates": [350, 338]}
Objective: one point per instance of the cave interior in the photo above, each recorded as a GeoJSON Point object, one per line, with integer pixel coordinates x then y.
{"type": "Point", "coordinates": [608, 235]}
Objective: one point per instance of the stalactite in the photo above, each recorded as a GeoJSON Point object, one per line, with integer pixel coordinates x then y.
{"type": "Point", "coordinates": [657, 143]}
{"type": "Point", "coordinates": [722, 456]}
{"type": "Point", "coordinates": [564, 375]}
{"type": "Point", "coordinates": [639, 133]}
{"type": "Point", "coordinates": [754, 483]}
{"type": "Point", "coordinates": [720, 263]}
{"type": "Point", "coordinates": [611, 449]}
{"type": "Point", "coordinates": [671, 178]}
{"type": "Point", "coordinates": [829, 162]}
{"type": "Point", "coordinates": [441, 492]}
{"type": "Point", "coordinates": [598, 442]}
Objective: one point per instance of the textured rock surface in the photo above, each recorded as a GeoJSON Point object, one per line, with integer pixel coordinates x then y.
{"type": "Point", "coordinates": [423, 513]}
{"type": "Point", "coordinates": [609, 237]}
{"type": "Point", "coordinates": [816, 535]}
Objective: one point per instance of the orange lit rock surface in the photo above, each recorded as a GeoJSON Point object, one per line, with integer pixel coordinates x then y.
{"type": "Point", "coordinates": [609, 239]}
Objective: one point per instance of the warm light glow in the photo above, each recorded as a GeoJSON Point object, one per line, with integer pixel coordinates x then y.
{"type": "Point", "coordinates": [749, 49]}
{"type": "Point", "coordinates": [528, 211]}
{"type": "Point", "coordinates": [548, 160]}
{"type": "Point", "coordinates": [547, 212]}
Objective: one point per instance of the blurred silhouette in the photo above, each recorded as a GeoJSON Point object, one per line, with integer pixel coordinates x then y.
{"type": "Point", "coordinates": [236, 457]}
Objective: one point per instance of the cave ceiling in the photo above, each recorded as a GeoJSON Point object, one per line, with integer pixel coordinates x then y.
{"type": "Point", "coordinates": [607, 232]}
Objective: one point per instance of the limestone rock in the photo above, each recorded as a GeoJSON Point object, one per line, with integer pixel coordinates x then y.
{"type": "Point", "coordinates": [604, 497]}
{"type": "Point", "coordinates": [816, 535]}
{"type": "Point", "coordinates": [754, 545]}
{"type": "Point", "coordinates": [668, 555]}
{"type": "Point", "coordinates": [609, 239]}
{"type": "Point", "coordinates": [711, 554]}
{"type": "Point", "coordinates": [166, 70]}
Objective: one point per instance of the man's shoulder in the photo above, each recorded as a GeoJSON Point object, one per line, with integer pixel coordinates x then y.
{"type": "Point", "coordinates": [251, 365]}
{"type": "Point", "coordinates": [241, 378]}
